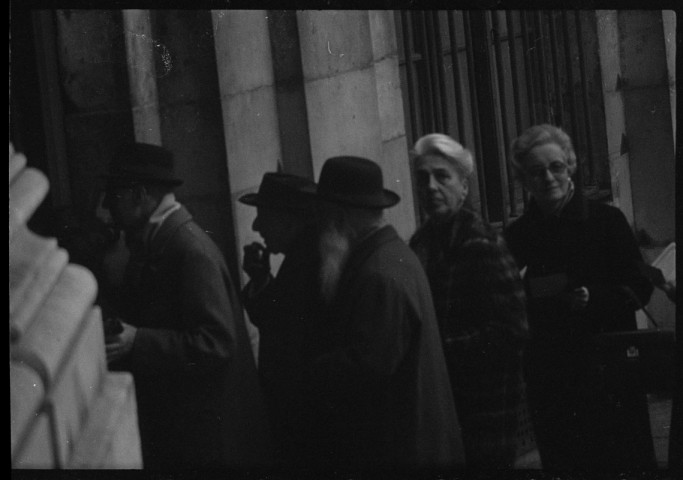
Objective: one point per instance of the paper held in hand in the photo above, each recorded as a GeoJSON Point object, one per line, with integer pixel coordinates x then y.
{"type": "Point", "coordinates": [548, 285]}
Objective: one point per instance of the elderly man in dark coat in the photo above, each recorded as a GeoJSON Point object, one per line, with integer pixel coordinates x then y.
{"type": "Point", "coordinates": [285, 308]}
{"type": "Point", "coordinates": [382, 390]}
{"type": "Point", "coordinates": [183, 335]}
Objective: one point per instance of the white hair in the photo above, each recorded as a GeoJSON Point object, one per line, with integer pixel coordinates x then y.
{"type": "Point", "coordinates": [449, 149]}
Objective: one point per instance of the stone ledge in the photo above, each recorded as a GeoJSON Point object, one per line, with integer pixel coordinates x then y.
{"type": "Point", "coordinates": [112, 419]}
{"type": "Point", "coordinates": [26, 192]}
{"type": "Point", "coordinates": [35, 266]}
{"type": "Point", "coordinates": [58, 324]}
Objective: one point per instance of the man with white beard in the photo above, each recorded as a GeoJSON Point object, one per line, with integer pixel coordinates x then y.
{"type": "Point", "coordinates": [381, 389]}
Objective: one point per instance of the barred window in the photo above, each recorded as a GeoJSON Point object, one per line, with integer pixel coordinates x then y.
{"type": "Point", "coordinates": [484, 76]}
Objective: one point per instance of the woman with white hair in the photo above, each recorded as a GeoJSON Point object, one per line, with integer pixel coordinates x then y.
{"type": "Point", "coordinates": [581, 279]}
{"type": "Point", "coordinates": [479, 301]}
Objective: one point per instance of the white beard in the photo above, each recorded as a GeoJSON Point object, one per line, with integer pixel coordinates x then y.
{"type": "Point", "coordinates": [334, 246]}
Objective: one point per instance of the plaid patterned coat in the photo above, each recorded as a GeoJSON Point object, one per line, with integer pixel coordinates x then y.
{"type": "Point", "coordinates": [480, 304]}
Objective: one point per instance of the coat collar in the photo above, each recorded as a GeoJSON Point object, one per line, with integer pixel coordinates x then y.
{"type": "Point", "coordinates": [576, 210]}
{"type": "Point", "coordinates": [176, 219]}
{"type": "Point", "coordinates": [462, 226]}
{"type": "Point", "coordinates": [362, 251]}
{"type": "Point", "coordinates": [166, 207]}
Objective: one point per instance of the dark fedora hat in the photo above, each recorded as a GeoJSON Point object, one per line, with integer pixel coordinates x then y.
{"type": "Point", "coordinates": [142, 163]}
{"type": "Point", "coordinates": [281, 190]}
{"type": "Point", "coordinates": [354, 181]}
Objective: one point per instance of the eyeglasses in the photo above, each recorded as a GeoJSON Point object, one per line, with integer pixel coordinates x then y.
{"type": "Point", "coordinates": [118, 192]}
{"type": "Point", "coordinates": [555, 168]}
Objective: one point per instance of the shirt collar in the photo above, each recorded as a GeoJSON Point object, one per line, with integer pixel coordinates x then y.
{"type": "Point", "coordinates": [166, 207]}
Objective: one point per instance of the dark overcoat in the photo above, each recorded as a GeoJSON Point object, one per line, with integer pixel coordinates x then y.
{"type": "Point", "coordinates": [198, 399]}
{"type": "Point", "coordinates": [383, 394]}
{"type": "Point", "coordinates": [480, 304]}
{"type": "Point", "coordinates": [288, 313]}
{"type": "Point", "coordinates": [584, 416]}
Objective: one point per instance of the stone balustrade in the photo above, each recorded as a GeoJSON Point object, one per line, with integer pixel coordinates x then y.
{"type": "Point", "coordinates": [67, 410]}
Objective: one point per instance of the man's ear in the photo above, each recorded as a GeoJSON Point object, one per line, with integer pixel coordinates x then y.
{"type": "Point", "coordinates": [140, 193]}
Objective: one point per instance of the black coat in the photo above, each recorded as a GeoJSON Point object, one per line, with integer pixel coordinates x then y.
{"type": "Point", "coordinates": [198, 399]}
{"type": "Point", "coordinates": [584, 416]}
{"type": "Point", "coordinates": [288, 313]}
{"type": "Point", "coordinates": [382, 390]}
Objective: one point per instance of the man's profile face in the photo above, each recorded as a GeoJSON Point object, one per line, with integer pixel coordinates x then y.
{"type": "Point", "coordinates": [278, 228]}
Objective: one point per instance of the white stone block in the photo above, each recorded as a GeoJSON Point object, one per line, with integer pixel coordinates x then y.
{"type": "Point", "coordinates": [110, 438]}
{"type": "Point", "coordinates": [26, 394]}
{"type": "Point", "coordinates": [78, 384]}
{"type": "Point", "coordinates": [48, 342]}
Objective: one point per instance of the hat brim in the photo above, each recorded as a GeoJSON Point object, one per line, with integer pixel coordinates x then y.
{"type": "Point", "coordinates": [254, 200]}
{"type": "Point", "coordinates": [125, 179]}
{"type": "Point", "coordinates": [384, 199]}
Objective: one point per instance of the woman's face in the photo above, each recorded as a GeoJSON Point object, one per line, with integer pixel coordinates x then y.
{"type": "Point", "coordinates": [546, 173]}
{"type": "Point", "coordinates": [441, 189]}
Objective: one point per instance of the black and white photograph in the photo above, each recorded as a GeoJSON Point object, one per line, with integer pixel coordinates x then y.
{"type": "Point", "coordinates": [279, 241]}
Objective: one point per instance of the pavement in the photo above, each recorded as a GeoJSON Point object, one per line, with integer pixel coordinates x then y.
{"type": "Point", "coordinates": [660, 423]}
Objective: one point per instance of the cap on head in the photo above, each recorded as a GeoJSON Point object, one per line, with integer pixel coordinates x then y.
{"type": "Point", "coordinates": [355, 182]}
{"type": "Point", "coordinates": [142, 163]}
{"type": "Point", "coordinates": [282, 191]}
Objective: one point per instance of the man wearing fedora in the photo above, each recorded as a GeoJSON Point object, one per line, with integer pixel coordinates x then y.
{"type": "Point", "coordinates": [184, 338]}
{"type": "Point", "coordinates": [286, 308]}
{"type": "Point", "coordinates": [381, 387]}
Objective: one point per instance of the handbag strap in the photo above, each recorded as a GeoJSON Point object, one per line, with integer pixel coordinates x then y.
{"type": "Point", "coordinates": [633, 297]}
{"type": "Point", "coordinates": [650, 317]}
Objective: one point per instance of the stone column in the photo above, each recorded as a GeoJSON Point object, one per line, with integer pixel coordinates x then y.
{"type": "Point", "coordinates": [394, 157]}
{"type": "Point", "coordinates": [94, 84]}
{"type": "Point", "coordinates": [290, 94]}
{"type": "Point", "coordinates": [669, 18]}
{"type": "Point", "coordinates": [190, 117]}
{"type": "Point", "coordinates": [633, 60]}
{"type": "Point", "coordinates": [620, 173]}
{"type": "Point", "coordinates": [351, 79]}
{"type": "Point", "coordinates": [250, 120]}
{"type": "Point", "coordinates": [247, 95]}
{"type": "Point", "coordinates": [140, 46]}
{"type": "Point", "coordinates": [648, 122]}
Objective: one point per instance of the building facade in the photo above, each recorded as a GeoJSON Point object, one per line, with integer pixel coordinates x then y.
{"type": "Point", "coordinates": [237, 93]}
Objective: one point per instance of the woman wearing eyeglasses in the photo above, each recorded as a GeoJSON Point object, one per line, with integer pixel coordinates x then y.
{"type": "Point", "coordinates": [581, 278]}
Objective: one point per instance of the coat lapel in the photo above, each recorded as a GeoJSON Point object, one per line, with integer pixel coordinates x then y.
{"type": "Point", "coordinates": [167, 229]}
